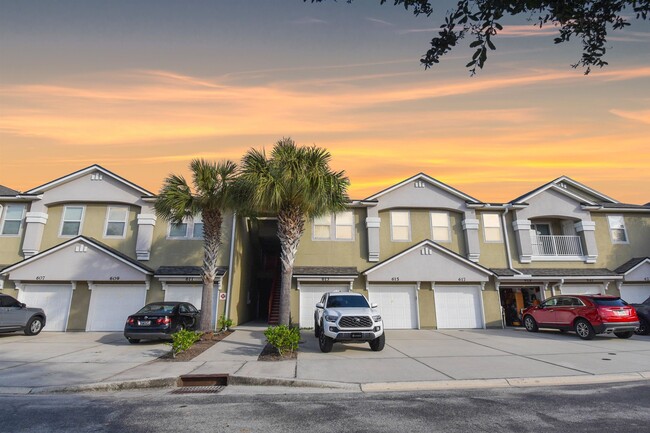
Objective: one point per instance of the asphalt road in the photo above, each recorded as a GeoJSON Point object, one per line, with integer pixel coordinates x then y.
{"type": "Point", "coordinates": [602, 408]}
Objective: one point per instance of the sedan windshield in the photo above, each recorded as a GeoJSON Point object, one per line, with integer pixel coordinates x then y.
{"type": "Point", "coordinates": [157, 308]}
{"type": "Point", "coordinates": [347, 301]}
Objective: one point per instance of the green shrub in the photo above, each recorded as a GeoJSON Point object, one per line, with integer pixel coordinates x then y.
{"type": "Point", "coordinates": [183, 340]}
{"type": "Point", "coordinates": [283, 338]}
{"type": "Point", "coordinates": [224, 323]}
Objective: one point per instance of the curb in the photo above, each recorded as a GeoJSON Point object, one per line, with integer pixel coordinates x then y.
{"type": "Point", "coordinates": [504, 383]}
{"type": "Point", "coordinates": [162, 382]}
{"type": "Point", "coordinates": [297, 383]}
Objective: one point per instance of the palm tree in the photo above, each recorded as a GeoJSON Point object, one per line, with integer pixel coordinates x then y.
{"type": "Point", "coordinates": [212, 195]}
{"type": "Point", "coordinates": [295, 183]}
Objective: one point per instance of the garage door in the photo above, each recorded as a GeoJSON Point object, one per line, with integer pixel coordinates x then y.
{"type": "Point", "coordinates": [635, 294]}
{"type": "Point", "coordinates": [110, 306]}
{"type": "Point", "coordinates": [310, 296]}
{"type": "Point", "coordinates": [53, 299]}
{"type": "Point", "coordinates": [458, 307]}
{"type": "Point", "coordinates": [581, 289]}
{"type": "Point", "coordinates": [192, 294]}
{"type": "Point", "coordinates": [398, 305]}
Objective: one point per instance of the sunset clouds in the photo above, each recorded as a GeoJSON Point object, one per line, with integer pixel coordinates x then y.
{"type": "Point", "coordinates": [383, 119]}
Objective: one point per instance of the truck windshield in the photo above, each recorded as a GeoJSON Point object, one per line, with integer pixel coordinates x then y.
{"type": "Point", "coordinates": [347, 301]}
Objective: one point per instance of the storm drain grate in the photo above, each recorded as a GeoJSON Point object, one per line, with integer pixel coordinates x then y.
{"type": "Point", "coordinates": [198, 390]}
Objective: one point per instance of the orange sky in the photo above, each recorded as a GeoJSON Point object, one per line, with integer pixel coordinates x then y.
{"type": "Point", "coordinates": [527, 119]}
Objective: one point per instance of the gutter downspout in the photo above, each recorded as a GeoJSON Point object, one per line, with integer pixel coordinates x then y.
{"type": "Point", "coordinates": [230, 264]}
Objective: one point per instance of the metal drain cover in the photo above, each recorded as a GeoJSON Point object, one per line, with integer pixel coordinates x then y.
{"type": "Point", "coordinates": [198, 389]}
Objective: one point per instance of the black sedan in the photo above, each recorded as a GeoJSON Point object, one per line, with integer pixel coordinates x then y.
{"type": "Point", "coordinates": [643, 311]}
{"type": "Point", "coordinates": [158, 321]}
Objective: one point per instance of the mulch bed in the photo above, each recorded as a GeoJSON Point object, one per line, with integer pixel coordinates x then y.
{"type": "Point", "coordinates": [207, 341]}
{"type": "Point", "coordinates": [270, 353]}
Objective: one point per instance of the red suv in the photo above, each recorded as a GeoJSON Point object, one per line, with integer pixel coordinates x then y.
{"type": "Point", "coordinates": [588, 315]}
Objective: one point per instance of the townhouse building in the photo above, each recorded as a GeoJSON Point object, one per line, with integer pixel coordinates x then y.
{"type": "Point", "coordinates": [89, 249]}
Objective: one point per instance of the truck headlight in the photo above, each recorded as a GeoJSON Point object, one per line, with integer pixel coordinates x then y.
{"type": "Point", "coordinates": [376, 318]}
{"type": "Point", "coordinates": [329, 318]}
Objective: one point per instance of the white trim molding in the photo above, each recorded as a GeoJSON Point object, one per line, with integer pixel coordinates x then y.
{"type": "Point", "coordinates": [585, 226]}
{"type": "Point", "coordinates": [36, 217]}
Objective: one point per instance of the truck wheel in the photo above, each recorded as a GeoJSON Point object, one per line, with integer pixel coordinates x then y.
{"type": "Point", "coordinates": [34, 326]}
{"type": "Point", "coordinates": [316, 330]}
{"type": "Point", "coordinates": [377, 345]}
{"type": "Point", "coordinates": [325, 343]}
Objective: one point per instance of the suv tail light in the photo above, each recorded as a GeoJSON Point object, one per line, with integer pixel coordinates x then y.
{"type": "Point", "coordinates": [163, 320]}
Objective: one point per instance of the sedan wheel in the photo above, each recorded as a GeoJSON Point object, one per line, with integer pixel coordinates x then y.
{"type": "Point", "coordinates": [584, 329]}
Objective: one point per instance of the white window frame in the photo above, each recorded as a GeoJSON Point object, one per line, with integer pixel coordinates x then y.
{"type": "Point", "coordinates": [314, 225]}
{"type": "Point", "coordinates": [485, 239]}
{"type": "Point", "coordinates": [3, 212]}
{"type": "Point", "coordinates": [433, 238]}
{"type": "Point", "coordinates": [107, 221]}
{"type": "Point", "coordinates": [392, 238]}
{"type": "Point", "coordinates": [333, 224]}
{"type": "Point", "coordinates": [189, 229]}
{"type": "Point", "coordinates": [624, 228]}
{"type": "Point", "coordinates": [81, 220]}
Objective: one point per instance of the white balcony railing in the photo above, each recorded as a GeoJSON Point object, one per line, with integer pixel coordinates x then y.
{"type": "Point", "coordinates": [554, 245]}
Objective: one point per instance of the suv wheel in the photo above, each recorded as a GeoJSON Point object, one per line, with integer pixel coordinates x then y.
{"type": "Point", "coordinates": [643, 328]}
{"type": "Point", "coordinates": [584, 329]}
{"type": "Point", "coordinates": [34, 326]}
{"type": "Point", "coordinates": [624, 334]}
{"type": "Point", "coordinates": [325, 343]}
{"type": "Point", "coordinates": [377, 345]}
{"type": "Point", "coordinates": [316, 330]}
{"type": "Point", "coordinates": [530, 324]}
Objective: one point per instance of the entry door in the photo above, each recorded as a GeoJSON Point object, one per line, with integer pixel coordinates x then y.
{"type": "Point", "coordinates": [53, 299]}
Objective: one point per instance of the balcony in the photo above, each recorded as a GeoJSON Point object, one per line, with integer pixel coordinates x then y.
{"type": "Point", "coordinates": [556, 246]}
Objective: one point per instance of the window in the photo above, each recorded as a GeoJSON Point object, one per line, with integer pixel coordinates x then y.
{"type": "Point", "coordinates": [440, 227]}
{"type": "Point", "coordinates": [617, 229]}
{"type": "Point", "coordinates": [322, 225]}
{"type": "Point", "coordinates": [400, 226]}
{"type": "Point", "coordinates": [116, 218]}
{"type": "Point", "coordinates": [338, 226]}
{"type": "Point", "coordinates": [189, 229]}
{"type": "Point", "coordinates": [72, 217]}
{"type": "Point", "coordinates": [13, 219]}
{"type": "Point", "coordinates": [491, 227]}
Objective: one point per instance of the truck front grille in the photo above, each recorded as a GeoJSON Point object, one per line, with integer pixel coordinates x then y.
{"type": "Point", "coordinates": [355, 322]}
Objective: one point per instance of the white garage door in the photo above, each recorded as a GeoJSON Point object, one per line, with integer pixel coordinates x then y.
{"type": "Point", "coordinates": [458, 307]}
{"type": "Point", "coordinates": [192, 294]}
{"type": "Point", "coordinates": [581, 289]}
{"type": "Point", "coordinates": [310, 296]}
{"type": "Point", "coordinates": [53, 299]}
{"type": "Point", "coordinates": [635, 294]}
{"type": "Point", "coordinates": [111, 305]}
{"type": "Point", "coordinates": [398, 305]}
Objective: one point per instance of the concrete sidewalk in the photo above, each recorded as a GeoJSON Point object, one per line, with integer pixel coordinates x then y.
{"type": "Point", "coordinates": [411, 360]}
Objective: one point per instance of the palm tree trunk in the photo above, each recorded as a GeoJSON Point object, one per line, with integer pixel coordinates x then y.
{"type": "Point", "coordinates": [291, 225]}
{"type": "Point", "coordinates": [211, 243]}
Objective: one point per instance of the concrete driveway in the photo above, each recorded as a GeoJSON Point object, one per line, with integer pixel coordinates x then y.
{"type": "Point", "coordinates": [69, 358]}
{"type": "Point", "coordinates": [427, 355]}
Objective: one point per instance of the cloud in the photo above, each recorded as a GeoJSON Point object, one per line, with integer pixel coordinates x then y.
{"type": "Point", "coordinates": [378, 21]}
{"type": "Point", "coordinates": [642, 116]}
{"type": "Point", "coordinates": [308, 20]}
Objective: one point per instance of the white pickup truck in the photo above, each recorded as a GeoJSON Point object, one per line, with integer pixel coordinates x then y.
{"type": "Point", "coordinates": [347, 317]}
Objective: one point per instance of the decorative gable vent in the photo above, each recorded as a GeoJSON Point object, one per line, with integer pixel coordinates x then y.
{"type": "Point", "coordinates": [96, 176]}
{"type": "Point", "coordinates": [419, 184]}
{"type": "Point", "coordinates": [80, 248]}
{"type": "Point", "coordinates": [426, 251]}
{"type": "Point", "coordinates": [562, 185]}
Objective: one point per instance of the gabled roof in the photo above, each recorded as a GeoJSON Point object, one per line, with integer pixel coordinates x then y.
{"type": "Point", "coordinates": [436, 246]}
{"type": "Point", "coordinates": [555, 185]}
{"type": "Point", "coordinates": [632, 264]}
{"type": "Point", "coordinates": [7, 191]}
{"type": "Point", "coordinates": [83, 172]}
{"type": "Point", "coordinates": [91, 242]}
{"type": "Point", "coordinates": [430, 180]}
